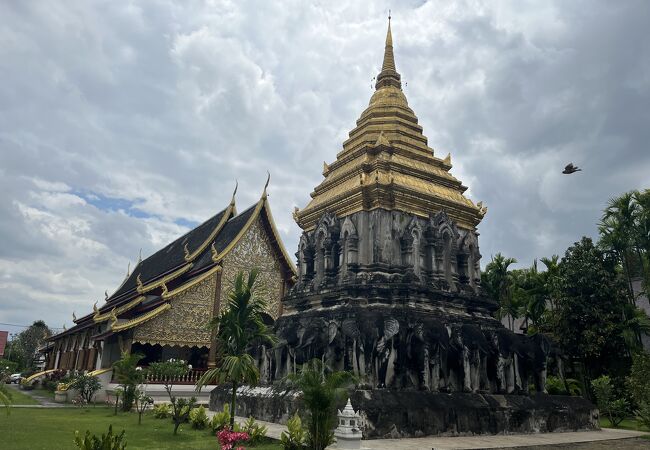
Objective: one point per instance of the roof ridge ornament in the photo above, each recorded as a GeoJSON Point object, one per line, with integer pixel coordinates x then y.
{"type": "Point", "coordinates": [232, 199]}
{"type": "Point", "coordinates": [95, 310]}
{"type": "Point", "coordinates": [74, 316]}
{"type": "Point", "coordinates": [138, 282]}
{"type": "Point", "coordinates": [268, 179]}
{"type": "Point", "coordinates": [215, 253]}
{"type": "Point", "coordinates": [186, 250]}
{"type": "Point", "coordinates": [105, 295]}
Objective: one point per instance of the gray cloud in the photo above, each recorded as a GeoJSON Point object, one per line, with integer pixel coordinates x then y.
{"type": "Point", "coordinates": [161, 106]}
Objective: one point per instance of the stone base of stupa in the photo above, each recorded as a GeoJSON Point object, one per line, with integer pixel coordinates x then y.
{"type": "Point", "coordinates": [390, 414]}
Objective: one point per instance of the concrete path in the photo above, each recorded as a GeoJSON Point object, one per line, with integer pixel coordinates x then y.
{"type": "Point", "coordinates": [502, 441]}
{"type": "Point", "coordinates": [44, 402]}
{"type": "Point", "coordinates": [482, 442]}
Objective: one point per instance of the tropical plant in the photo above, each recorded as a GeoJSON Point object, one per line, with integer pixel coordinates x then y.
{"type": "Point", "coordinates": [162, 411]}
{"type": "Point", "coordinates": [255, 431]}
{"type": "Point", "coordinates": [108, 441]}
{"type": "Point", "coordinates": [87, 385]}
{"type": "Point", "coordinates": [497, 281]}
{"type": "Point", "coordinates": [168, 372]}
{"type": "Point", "coordinates": [198, 418]}
{"type": "Point", "coordinates": [221, 419]}
{"type": "Point", "coordinates": [142, 402]}
{"type": "Point", "coordinates": [22, 348]}
{"type": "Point", "coordinates": [614, 408]}
{"type": "Point", "coordinates": [129, 375]}
{"type": "Point", "coordinates": [558, 386]}
{"type": "Point", "coordinates": [239, 327]}
{"type": "Point", "coordinates": [320, 390]}
{"type": "Point", "coordinates": [294, 438]}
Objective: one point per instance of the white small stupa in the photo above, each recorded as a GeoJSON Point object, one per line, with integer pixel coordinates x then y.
{"type": "Point", "coordinates": [348, 433]}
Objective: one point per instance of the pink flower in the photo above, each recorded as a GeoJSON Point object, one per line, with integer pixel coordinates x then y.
{"type": "Point", "coordinates": [228, 439]}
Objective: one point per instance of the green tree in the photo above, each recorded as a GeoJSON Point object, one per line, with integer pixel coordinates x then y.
{"type": "Point", "coordinates": [321, 390]}
{"type": "Point", "coordinates": [587, 318]}
{"type": "Point", "coordinates": [618, 231]}
{"type": "Point", "coordinates": [498, 283]}
{"type": "Point", "coordinates": [169, 372]}
{"type": "Point", "coordinates": [23, 347]}
{"type": "Point", "coordinates": [239, 327]}
{"type": "Point", "coordinates": [129, 376]}
{"type": "Point", "coordinates": [87, 385]}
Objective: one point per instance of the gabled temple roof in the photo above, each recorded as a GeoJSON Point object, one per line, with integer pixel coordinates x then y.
{"type": "Point", "coordinates": [172, 256]}
{"type": "Point", "coordinates": [181, 262]}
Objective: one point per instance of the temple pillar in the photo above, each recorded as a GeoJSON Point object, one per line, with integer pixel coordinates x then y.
{"type": "Point", "coordinates": [216, 306]}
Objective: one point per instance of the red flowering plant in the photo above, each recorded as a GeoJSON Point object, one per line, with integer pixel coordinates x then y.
{"type": "Point", "coordinates": [229, 439]}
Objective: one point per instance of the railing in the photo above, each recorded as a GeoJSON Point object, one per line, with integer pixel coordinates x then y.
{"type": "Point", "coordinates": [191, 377]}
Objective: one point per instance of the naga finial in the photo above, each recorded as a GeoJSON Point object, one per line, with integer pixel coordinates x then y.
{"type": "Point", "coordinates": [113, 318]}
{"type": "Point", "coordinates": [164, 290]}
{"type": "Point", "coordinates": [139, 257]}
{"type": "Point", "coordinates": [215, 253]}
{"type": "Point", "coordinates": [232, 200]}
{"type": "Point", "coordinates": [186, 250]}
{"type": "Point", "coordinates": [128, 270]}
{"type": "Point", "coordinates": [138, 282]}
{"type": "Point", "coordinates": [95, 310]}
{"type": "Point", "coordinates": [105, 295]}
{"type": "Point", "coordinates": [268, 179]}
{"type": "Point", "coordinates": [74, 316]}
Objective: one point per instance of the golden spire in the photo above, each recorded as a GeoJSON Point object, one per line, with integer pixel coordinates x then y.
{"type": "Point", "coordinates": [388, 75]}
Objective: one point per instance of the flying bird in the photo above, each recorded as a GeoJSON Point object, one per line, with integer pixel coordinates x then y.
{"type": "Point", "coordinates": [570, 168]}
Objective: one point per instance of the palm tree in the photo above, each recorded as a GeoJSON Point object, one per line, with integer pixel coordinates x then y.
{"type": "Point", "coordinates": [635, 323]}
{"type": "Point", "coordinates": [550, 278]}
{"type": "Point", "coordinates": [618, 229]}
{"type": "Point", "coordinates": [129, 376]}
{"type": "Point", "coordinates": [321, 390]}
{"type": "Point", "coordinates": [239, 327]}
{"type": "Point", "coordinates": [498, 283]}
{"type": "Point", "coordinates": [643, 234]}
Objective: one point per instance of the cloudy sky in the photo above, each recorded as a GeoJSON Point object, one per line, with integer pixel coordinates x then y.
{"type": "Point", "coordinates": [123, 124]}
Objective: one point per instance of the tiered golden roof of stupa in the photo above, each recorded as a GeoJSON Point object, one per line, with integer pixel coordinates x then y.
{"type": "Point", "coordinates": [386, 163]}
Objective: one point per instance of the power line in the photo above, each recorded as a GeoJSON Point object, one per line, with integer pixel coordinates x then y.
{"type": "Point", "coordinates": [25, 326]}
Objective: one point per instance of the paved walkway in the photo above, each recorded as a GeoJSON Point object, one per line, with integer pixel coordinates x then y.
{"type": "Point", "coordinates": [44, 402]}
{"type": "Point", "coordinates": [610, 438]}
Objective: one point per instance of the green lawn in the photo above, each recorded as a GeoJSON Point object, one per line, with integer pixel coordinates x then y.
{"type": "Point", "coordinates": [20, 398]}
{"type": "Point", "coordinates": [53, 428]}
{"type": "Point", "coordinates": [627, 424]}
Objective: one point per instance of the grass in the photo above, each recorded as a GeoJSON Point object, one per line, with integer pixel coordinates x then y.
{"type": "Point", "coordinates": [627, 424]}
{"type": "Point", "coordinates": [53, 428]}
{"type": "Point", "coordinates": [20, 398]}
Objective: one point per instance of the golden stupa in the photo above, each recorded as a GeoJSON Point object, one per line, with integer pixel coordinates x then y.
{"type": "Point", "coordinates": [387, 163]}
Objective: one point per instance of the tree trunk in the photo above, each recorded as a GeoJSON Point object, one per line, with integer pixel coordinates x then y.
{"type": "Point", "coordinates": [233, 399]}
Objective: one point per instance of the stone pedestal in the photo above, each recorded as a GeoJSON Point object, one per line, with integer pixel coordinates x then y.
{"type": "Point", "coordinates": [60, 396]}
{"type": "Point", "coordinates": [391, 414]}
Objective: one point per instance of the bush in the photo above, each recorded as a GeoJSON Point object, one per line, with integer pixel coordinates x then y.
{"type": "Point", "coordinates": [294, 437]}
{"type": "Point", "coordinates": [108, 441]}
{"type": "Point", "coordinates": [229, 439]}
{"type": "Point", "coordinates": [162, 411]}
{"type": "Point", "coordinates": [557, 386]}
{"type": "Point", "coordinates": [198, 418]}
{"type": "Point", "coordinates": [639, 387]}
{"type": "Point", "coordinates": [221, 419]}
{"type": "Point", "coordinates": [255, 431]}
{"type": "Point", "coordinates": [615, 409]}
{"type": "Point", "coordinates": [87, 385]}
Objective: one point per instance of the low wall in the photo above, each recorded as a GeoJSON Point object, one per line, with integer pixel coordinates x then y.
{"type": "Point", "coordinates": [394, 414]}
